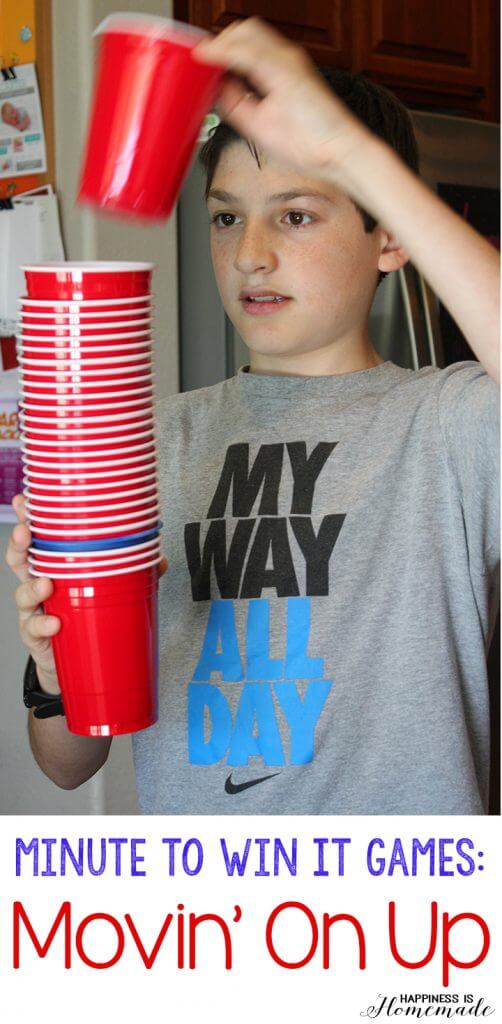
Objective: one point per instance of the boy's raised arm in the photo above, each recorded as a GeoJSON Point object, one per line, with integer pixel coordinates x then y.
{"type": "Point", "coordinates": [459, 264]}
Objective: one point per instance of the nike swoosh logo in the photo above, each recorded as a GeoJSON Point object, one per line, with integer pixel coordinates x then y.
{"type": "Point", "coordinates": [232, 787]}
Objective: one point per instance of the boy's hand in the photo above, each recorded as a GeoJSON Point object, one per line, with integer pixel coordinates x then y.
{"type": "Point", "coordinates": [293, 114]}
{"type": "Point", "coordinates": [36, 628]}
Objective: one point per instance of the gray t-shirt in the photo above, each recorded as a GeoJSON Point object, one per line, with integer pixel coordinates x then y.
{"type": "Point", "coordinates": [333, 547]}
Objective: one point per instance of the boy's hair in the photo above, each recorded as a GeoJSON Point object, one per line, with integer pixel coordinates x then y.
{"type": "Point", "coordinates": [378, 108]}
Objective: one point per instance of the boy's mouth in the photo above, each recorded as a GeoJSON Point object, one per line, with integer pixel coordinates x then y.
{"type": "Point", "coordinates": [263, 303]}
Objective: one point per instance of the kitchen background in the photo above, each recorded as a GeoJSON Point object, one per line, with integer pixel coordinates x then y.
{"type": "Point", "coordinates": [442, 60]}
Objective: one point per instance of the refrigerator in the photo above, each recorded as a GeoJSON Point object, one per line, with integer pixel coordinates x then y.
{"type": "Point", "coordinates": [459, 160]}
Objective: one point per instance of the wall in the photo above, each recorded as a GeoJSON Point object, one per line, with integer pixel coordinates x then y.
{"type": "Point", "coordinates": [23, 789]}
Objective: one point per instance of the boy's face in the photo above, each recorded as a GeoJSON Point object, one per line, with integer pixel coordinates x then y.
{"type": "Point", "coordinates": [328, 265]}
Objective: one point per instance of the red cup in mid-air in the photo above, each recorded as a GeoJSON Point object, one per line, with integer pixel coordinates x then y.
{"type": "Point", "coordinates": [150, 100]}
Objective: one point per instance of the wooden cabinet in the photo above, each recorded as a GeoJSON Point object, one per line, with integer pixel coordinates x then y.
{"type": "Point", "coordinates": [434, 55]}
{"type": "Point", "coordinates": [438, 55]}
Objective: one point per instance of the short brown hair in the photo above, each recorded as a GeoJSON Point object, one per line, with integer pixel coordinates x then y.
{"type": "Point", "coordinates": [377, 107]}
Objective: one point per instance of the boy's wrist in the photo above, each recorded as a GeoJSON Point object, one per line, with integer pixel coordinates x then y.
{"type": "Point", "coordinates": [45, 681]}
{"type": "Point", "coordinates": [359, 166]}
{"type": "Point", "coordinates": [48, 683]}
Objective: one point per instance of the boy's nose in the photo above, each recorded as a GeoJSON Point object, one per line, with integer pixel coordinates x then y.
{"type": "Point", "coordinates": [254, 252]}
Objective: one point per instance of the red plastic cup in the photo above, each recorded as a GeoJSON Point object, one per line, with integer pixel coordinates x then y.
{"type": "Point", "coordinates": [67, 421]}
{"type": "Point", "coordinates": [85, 389]}
{"type": "Point", "coordinates": [63, 517]}
{"type": "Point", "coordinates": [63, 418]}
{"type": "Point", "coordinates": [106, 651]}
{"type": "Point", "coordinates": [94, 333]}
{"type": "Point", "coordinates": [95, 570]}
{"type": "Point", "coordinates": [85, 305]}
{"type": "Point", "coordinates": [82, 362]}
{"type": "Point", "coordinates": [88, 528]}
{"type": "Point", "coordinates": [69, 479]}
{"type": "Point", "coordinates": [69, 360]}
{"type": "Point", "coordinates": [93, 448]}
{"type": "Point", "coordinates": [61, 460]}
{"type": "Point", "coordinates": [46, 355]}
{"type": "Point", "coordinates": [94, 481]}
{"type": "Point", "coordinates": [73, 403]}
{"type": "Point", "coordinates": [127, 528]}
{"type": "Point", "coordinates": [60, 503]}
{"type": "Point", "coordinates": [148, 88]}
{"type": "Point", "coordinates": [103, 378]}
{"type": "Point", "coordinates": [102, 556]}
{"type": "Point", "coordinates": [29, 318]}
{"type": "Point", "coordinates": [87, 280]}
{"type": "Point", "coordinates": [92, 572]}
{"type": "Point", "coordinates": [55, 492]}
{"type": "Point", "coordinates": [67, 428]}
{"type": "Point", "coordinates": [75, 521]}
{"type": "Point", "coordinates": [58, 463]}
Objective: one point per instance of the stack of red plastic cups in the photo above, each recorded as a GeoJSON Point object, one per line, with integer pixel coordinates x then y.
{"type": "Point", "coordinates": [89, 453]}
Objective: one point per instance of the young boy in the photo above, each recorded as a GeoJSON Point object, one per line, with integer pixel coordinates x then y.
{"type": "Point", "coordinates": [330, 518]}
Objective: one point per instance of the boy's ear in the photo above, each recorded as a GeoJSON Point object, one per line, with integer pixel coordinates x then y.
{"type": "Point", "coordinates": [392, 254]}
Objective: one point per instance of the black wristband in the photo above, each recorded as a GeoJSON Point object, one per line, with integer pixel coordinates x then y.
{"type": "Point", "coordinates": [46, 704]}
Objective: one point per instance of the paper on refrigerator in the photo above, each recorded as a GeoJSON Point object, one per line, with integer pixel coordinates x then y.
{"type": "Point", "coordinates": [22, 137]}
{"type": "Point", "coordinates": [29, 233]}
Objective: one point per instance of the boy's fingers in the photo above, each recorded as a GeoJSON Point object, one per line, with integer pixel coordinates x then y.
{"type": "Point", "coordinates": [32, 592]}
{"type": "Point", "coordinates": [38, 628]}
{"type": "Point", "coordinates": [17, 548]}
{"type": "Point", "coordinates": [19, 506]}
{"type": "Point", "coordinates": [163, 566]}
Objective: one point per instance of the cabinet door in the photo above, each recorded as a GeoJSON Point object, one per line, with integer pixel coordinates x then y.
{"type": "Point", "coordinates": [434, 54]}
{"type": "Point", "coordinates": [323, 27]}
{"type": "Point", "coordinates": [439, 55]}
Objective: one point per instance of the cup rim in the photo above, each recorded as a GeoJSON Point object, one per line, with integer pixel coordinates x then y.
{"type": "Point", "coordinates": [91, 520]}
{"type": "Point", "coordinates": [102, 464]}
{"type": "Point", "coordinates": [89, 443]}
{"type": "Point", "coordinates": [87, 267]}
{"type": "Point", "coordinates": [57, 410]}
{"type": "Point", "coordinates": [57, 500]}
{"type": "Point", "coordinates": [101, 553]}
{"type": "Point", "coordinates": [37, 564]}
{"type": "Point", "coordinates": [79, 399]}
{"type": "Point", "coordinates": [90, 337]}
{"type": "Point", "coordinates": [83, 487]}
{"type": "Point", "coordinates": [114, 418]}
{"type": "Point", "coordinates": [96, 575]}
{"type": "Point", "coordinates": [79, 327]}
{"type": "Point", "coordinates": [86, 374]}
{"type": "Point", "coordinates": [84, 302]}
{"type": "Point", "coordinates": [96, 533]}
{"type": "Point", "coordinates": [91, 477]}
{"type": "Point", "coordinates": [145, 500]}
{"type": "Point", "coordinates": [98, 544]}
{"type": "Point", "coordinates": [105, 312]}
{"type": "Point", "coordinates": [69, 354]}
{"type": "Point", "coordinates": [153, 25]}
{"type": "Point", "coordinates": [45, 523]}
{"type": "Point", "coordinates": [138, 447]}
{"type": "Point", "coordinates": [86, 384]}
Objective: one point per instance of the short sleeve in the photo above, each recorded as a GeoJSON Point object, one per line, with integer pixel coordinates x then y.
{"type": "Point", "coordinates": [469, 417]}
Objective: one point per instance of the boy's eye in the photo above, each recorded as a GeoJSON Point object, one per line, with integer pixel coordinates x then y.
{"type": "Point", "coordinates": [291, 213]}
